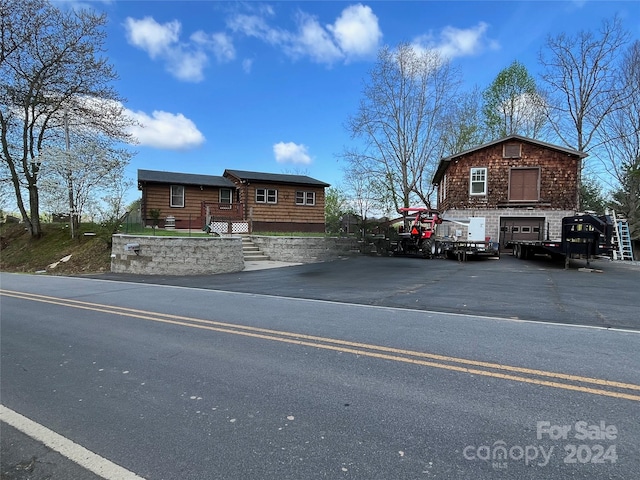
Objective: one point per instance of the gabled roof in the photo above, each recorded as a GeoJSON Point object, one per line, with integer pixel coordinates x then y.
{"type": "Point", "coordinates": [153, 176]}
{"type": "Point", "coordinates": [275, 178]}
{"type": "Point", "coordinates": [444, 162]}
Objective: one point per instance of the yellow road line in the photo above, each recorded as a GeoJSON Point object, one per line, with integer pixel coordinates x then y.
{"type": "Point", "coordinates": [357, 348]}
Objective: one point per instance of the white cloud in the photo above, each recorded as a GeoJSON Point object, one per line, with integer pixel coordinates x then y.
{"type": "Point", "coordinates": [356, 31]}
{"type": "Point", "coordinates": [291, 153]}
{"type": "Point", "coordinates": [247, 63]}
{"type": "Point", "coordinates": [354, 34]}
{"type": "Point", "coordinates": [150, 36]}
{"type": "Point", "coordinates": [456, 42]}
{"type": "Point", "coordinates": [219, 43]}
{"type": "Point", "coordinates": [187, 66]}
{"type": "Point", "coordinates": [185, 61]}
{"type": "Point", "coordinates": [314, 41]}
{"type": "Point", "coordinates": [164, 130]}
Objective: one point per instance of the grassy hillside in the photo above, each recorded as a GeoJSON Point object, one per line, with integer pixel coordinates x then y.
{"type": "Point", "coordinates": [20, 253]}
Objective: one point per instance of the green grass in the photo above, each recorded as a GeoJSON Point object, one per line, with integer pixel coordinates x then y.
{"type": "Point", "coordinates": [21, 253]}
{"type": "Point", "coordinates": [160, 232]}
{"type": "Point", "coordinates": [292, 234]}
{"type": "Point", "coordinates": [89, 253]}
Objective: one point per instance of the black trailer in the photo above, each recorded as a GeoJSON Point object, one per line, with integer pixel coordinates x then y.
{"type": "Point", "coordinates": [583, 236]}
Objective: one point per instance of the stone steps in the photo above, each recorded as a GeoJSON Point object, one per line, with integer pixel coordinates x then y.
{"type": "Point", "coordinates": [251, 252]}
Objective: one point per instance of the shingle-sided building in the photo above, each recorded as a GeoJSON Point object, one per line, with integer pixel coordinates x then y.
{"type": "Point", "coordinates": [266, 201]}
{"type": "Point", "coordinates": [521, 186]}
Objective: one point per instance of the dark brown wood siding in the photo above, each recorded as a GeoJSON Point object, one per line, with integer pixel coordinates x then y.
{"type": "Point", "coordinates": [558, 178]}
{"type": "Point", "coordinates": [157, 196]}
{"type": "Point", "coordinates": [285, 211]}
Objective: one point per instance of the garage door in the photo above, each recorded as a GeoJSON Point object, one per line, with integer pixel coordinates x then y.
{"type": "Point", "coordinates": [521, 228]}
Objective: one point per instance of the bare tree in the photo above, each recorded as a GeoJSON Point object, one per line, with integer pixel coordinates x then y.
{"type": "Point", "coordinates": [621, 132]}
{"type": "Point", "coordinates": [364, 194]}
{"type": "Point", "coordinates": [464, 125]}
{"type": "Point", "coordinates": [75, 178]}
{"type": "Point", "coordinates": [621, 141]}
{"type": "Point", "coordinates": [50, 67]}
{"type": "Point", "coordinates": [580, 72]}
{"type": "Point", "coordinates": [513, 104]}
{"type": "Point", "coordinates": [400, 123]}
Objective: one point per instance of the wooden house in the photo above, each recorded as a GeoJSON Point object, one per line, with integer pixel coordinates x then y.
{"type": "Point", "coordinates": [261, 201]}
{"type": "Point", "coordinates": [521, 186]}
{"type": "Point", "coordinates": [280, 202]}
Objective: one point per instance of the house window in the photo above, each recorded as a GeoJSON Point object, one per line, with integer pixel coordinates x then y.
{"type": "Point", "coordinates": [177, 196]}
{"type": "Point", "coordinates": [478, 184]}
{"type": "Point", "coordinates": [225, 199]}
{"type": "Point", "coordinates": [266, 195]}
{"type": "Point", "coordinates": [524, 184]}
{"type": "Point", "coordinates": [511, 150]}
{"type": "Point", "coordinates": [443, 189]}
{"type": "Point", "coordinates": [305, 198]}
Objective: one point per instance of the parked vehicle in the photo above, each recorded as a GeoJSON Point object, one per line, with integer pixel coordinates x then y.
{"type": "Point", "coordinates": [420, 237]}
{"type": "Point", "coordinates": [583, 236]}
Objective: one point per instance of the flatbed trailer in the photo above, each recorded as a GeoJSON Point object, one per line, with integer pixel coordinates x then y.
{"type": "Point", "coordinates": [420, 237]}
{"type": "Point", "coordinates": [583, 236]}
{"type": "Point", "coordinates": [460, 250]}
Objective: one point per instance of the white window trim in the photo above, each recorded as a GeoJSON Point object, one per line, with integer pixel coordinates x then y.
{"type": "Point", "coordinates": [225, 205]}
{"type": "Point", "coordinates": [267, 192]}
{"type": "Point", "coordinates": [305, 198]}
{"type": "Point", "coordinates": [220, 200]}
{"type": "Point", "coordinates": [171, 196]}
{"type": "Point", "coordinates": [484, 182]}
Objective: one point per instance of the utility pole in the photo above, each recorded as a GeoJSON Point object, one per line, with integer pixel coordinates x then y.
{"type": "Point", "coordinates": [72, 216]}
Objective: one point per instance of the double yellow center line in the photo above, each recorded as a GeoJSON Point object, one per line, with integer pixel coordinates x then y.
{"type": "Point", "coordinates": [564, 381]}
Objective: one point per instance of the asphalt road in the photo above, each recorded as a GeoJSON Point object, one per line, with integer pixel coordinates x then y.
{"type": "Point", "coordinates": [538, 290]}
{"type": "Point", "coordinates": [386, 380]}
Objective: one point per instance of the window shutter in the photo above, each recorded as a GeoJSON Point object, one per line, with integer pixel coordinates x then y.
{"type": "Point", "coordinates": [524, 184]}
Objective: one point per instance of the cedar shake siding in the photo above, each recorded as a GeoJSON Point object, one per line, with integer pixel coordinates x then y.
{"type": "Point", "coordinates": [514, 177]}
{"type": "Point", "coordinates": [540, 177]}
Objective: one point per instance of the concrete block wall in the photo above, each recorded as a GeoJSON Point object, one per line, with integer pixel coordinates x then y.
{"type": "Point", "coordinates": [304, 249]}
{"type": "Point", "coordinates": [492, 217]}
{"type": "Point", "coordinates": [176, 255]}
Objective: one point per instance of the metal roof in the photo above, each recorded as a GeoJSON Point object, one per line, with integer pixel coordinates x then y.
{"type": "Point", "coordinates": [153, 176]}
{"type": "Point", "coordinates": [275, 178]}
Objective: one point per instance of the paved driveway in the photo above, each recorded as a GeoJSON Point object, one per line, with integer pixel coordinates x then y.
{"type": "Point", "coordinates": [538, 290]}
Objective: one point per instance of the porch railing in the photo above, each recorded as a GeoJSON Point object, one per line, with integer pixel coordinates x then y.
{"type": "Point", "coordinates": [213, 211]}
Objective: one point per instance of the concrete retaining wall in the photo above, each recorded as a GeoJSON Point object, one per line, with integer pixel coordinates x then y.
{"type": "Point", "coordinates": [176, 255]}
{"type": "Point", "coordinates": [305, 249]}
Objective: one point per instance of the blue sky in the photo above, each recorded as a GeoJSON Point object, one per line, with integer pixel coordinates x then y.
{"type": "Point", "coordinates": [268, 86]}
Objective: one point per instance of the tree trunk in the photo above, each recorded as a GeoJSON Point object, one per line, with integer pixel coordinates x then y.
{"type": "Point", "coordinates": [34, 207]}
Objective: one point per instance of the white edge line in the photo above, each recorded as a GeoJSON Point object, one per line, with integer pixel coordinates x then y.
{"type": "Point", "coordinates": [74, 452]}
{"type": "Point", "coordinates": [359, 305]}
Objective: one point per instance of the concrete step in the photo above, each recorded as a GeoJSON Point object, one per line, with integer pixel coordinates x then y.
{"type": "Point", "coordinates": [251, 252]}
{"type": "Point", "coordinates": [256, 257]}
